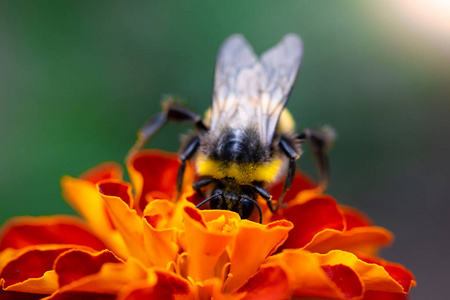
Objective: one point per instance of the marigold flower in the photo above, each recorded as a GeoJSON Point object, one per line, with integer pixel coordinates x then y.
{"type": "Point", "coordinates": [134, 242]}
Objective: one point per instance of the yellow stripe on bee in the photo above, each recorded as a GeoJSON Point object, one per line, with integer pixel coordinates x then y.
{"type": "Point", "coordinates": [244, 173]}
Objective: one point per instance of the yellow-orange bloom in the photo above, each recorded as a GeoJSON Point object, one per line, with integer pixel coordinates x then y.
{"type": "Point", "coordinates": [134, 242]}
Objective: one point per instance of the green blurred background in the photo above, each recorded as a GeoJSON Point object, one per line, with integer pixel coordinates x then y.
{"type": "Point", "coordinates": [78, 78]}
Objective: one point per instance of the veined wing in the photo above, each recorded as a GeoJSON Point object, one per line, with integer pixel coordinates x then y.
{"type": "Point", "coordinates": [235, 59]}
{"type": "Point", "coordinates": [252, 91]}
{"type": "Point", "coordinates": [281, 65]}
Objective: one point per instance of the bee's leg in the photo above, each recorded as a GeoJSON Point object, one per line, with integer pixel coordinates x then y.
{"type": "Point", "coordinates": [289, 149]}
{"type": "Point", "coordinates": [171, 112]}
{"type": "Point", "coordinates": [187, 151]}
{"type": "Point", "coordinates": [265, 194]}
{"type": "Point", "coordinates": [320, 141]}
{"type": "Point", "coordinates": [202, 183]}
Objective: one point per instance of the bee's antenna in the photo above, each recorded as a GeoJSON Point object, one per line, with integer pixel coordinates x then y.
{"type": "Point", "coordinates": [257, 206]}
{"type": "Point", "coordinates": [208, 199]}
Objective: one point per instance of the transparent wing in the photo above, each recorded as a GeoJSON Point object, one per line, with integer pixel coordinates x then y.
{"type": "Point", "coordinates": [248, 91]}
{"type": "Point", "coordinates": [235, 56]}
{"type": "Point", "coordinates": [280, 68]}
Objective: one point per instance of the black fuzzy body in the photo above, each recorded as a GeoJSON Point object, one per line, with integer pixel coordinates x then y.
{"type": "Point", "coordinates": [236, 145]}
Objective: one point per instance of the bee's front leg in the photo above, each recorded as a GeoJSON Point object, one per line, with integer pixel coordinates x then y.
{"type": "Point", "coordinates": [171, 112]}
{"type": "Point", "coordinates": [257, 186]}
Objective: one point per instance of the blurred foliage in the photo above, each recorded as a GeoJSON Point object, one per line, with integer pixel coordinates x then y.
{"type": "Point", "coordinates": [78, 78]}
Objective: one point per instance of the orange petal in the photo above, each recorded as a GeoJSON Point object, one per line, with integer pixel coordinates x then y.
{"type": "Point", "coordinates": [21, 232]}
{"type": "Point", "coordinates": [398, 272]}
{"type": "Point", "coordinates": [161, 213]}
{"type": "Point", "coordinates": [311, 217]}
{"type": "Point", "coordinates": [80, 295]}
{"type": "Point", "coordinates": [271, 282]}
{"type": "Point", "coordinates": [213, 289]}
{"type": "Point", "coordinates": [206, 242]}
{"type": "Point", "coordinates": [363, 240]}
{"type": "Point", "coordinates": [45, 284]}
{"type": "Point", "coordinates": [380, 276]}
{"type": "Point", "coordinates": [31, 271]}
{"type": "Point", "coordinates": [168, 286]}
{"type": "Point", "coordinates": [109, 280]}
{"type": "Point", "coordinates": [83, 196]}
{"type": "Point", "coordinates": [309, 277]}
{"type": "Point", "coordinates": [159, 236]}
{"type": "Point", "coordinates": [155, 171]}
{"type": "Point", "coordinates": [75, 264]}
{"type": "Point", "coordinates": [125, 219]}
{"type": "Point", "coordinates": [254, 242]}
{"type": "Point", "coordinates": [82, 193]}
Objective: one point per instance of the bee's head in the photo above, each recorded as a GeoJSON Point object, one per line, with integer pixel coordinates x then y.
{"type": "Point", "coordinates": [231, 196]}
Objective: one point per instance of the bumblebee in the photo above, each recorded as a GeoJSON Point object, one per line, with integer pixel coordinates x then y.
{"type": "Point", "coordinates": [247, 140]}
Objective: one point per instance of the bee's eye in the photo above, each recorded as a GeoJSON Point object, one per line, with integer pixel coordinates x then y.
{"type": "Point", "coordinates": [217, 202]}
{"type": "Point", "coordinates": [245, 208]}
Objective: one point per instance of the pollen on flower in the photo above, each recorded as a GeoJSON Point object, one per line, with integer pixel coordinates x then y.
{"type": "Point", "coordinates": [123, 247]}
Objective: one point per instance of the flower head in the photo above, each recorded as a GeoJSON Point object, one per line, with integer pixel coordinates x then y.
{"type": "Point", "coordinates": [134, 241]}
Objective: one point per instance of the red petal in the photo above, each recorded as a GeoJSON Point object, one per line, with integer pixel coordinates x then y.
{"type": "Point", "coordinates": [355, 218]}
{"type": "Point", "coordinates": [8, 295]}
{"type": "Point", "coordinates": [155, 172]}
{"type": "Point", "coordinates": [377, 295]}
{"type": "Point", "coordinates": [311, 217]}
{"type": "Point", "coordinates": [26, 231]}
{"type": "Point", "coordinates": [345, 279]}
{"type": "Point", "coordinates": [301, 182]}
{"type": "Point", "coordinates": [269, 283]}
{"type": "Point", "coordinates": [158, 171]}
{"type": "Point", "coordinates": [107, 170]}
{"type": "Point", "coordinates": [77, 264]}
{"type": "Point", "coordinates": [402, 276]}
{"type": "Point", "coordinates": [119, 189]}
{"type": "Point", "coordinates": [195, 215]}
{"type": "Point", "coordinates": [168, 286]}
{"type": "Point", "coordinates": [31, 264]}
{"type": "Point", "coordinates": [195, 198]}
